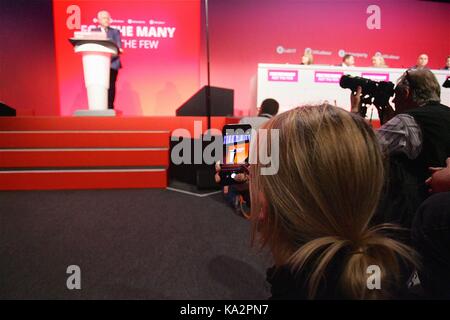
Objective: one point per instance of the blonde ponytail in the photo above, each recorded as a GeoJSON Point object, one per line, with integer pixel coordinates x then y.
{"type": "Point", "coordinates": [374, 249]}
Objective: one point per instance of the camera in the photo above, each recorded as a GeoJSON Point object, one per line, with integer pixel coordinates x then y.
{"type": "Point", "coordinates": [446, 83]}
{"type": "Point", "coordinates": [373, 92]}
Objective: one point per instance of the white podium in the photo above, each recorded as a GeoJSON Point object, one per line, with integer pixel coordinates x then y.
{"type": "Point", "coordinates": [96, 55]}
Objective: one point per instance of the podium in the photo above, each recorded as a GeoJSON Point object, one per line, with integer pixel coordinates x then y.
{"type": "Point", "coordinates": [96, 55]}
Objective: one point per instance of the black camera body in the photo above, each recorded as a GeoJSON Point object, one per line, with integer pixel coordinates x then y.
{"type": "Point", "coordinates": [375, 92]}
{"type": "Point", "coordinates": [446, 83]}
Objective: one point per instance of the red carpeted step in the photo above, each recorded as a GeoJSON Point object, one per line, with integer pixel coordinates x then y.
{"type": "Point", "coordinates": [85, 123]}
{"type": "Point", "coordinates": [109, 123]}
{"type": "Point", "coordinates": [83, 179]}
{"type": "Point", "coordinates": [57, 158]}
{"type": "Point", "coordinates": [83, 139]}
{"type": "Point", "coordinates": [30, 146]}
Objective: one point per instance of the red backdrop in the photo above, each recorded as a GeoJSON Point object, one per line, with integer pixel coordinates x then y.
{"type": "Point", "coordinates": [159, 72]}
{"type": "Point", "coordinates": [242, 33]}
{"type": "Point", "coordinates": [27, 57]}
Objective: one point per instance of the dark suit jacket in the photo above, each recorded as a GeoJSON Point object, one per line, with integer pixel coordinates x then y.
{"type": "Point", "coordinates": [114, 35]}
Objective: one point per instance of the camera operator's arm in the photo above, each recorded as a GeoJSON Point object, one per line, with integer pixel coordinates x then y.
{"type": "Point", "coordinates": [401, 134]}
{"type": "Point", "coordinates": [355, 100]}
{"type": "Point", "coordinates": [385, 113]}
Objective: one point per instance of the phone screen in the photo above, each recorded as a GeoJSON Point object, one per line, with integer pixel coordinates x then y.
{"type": "Point", "coordinates": [236, 151]}
{"type": "Point", "coordinates": [236, 143]}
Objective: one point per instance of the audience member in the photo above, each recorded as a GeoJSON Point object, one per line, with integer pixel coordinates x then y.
{"type": "Point", "coordinates": [431, 235]}
{"type": "Point", "coordinates": [416, 137]}
{"type": "Point", "coordinates": [237, 196]}
{"type": "Point", "coordinates": [269, 108]}
{"type": "Point", "coordinates": [431, 238]}
{"type": "Point", "coordinates": [314, 213]}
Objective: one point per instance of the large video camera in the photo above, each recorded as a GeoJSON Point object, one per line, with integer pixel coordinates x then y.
{"type": "Point", "coordinates": [377, 93]}
{"type": "Point", "coordinates": [446, 83]}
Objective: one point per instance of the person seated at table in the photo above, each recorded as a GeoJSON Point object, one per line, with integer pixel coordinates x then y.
{"type": "Point", "coordinates": [348, 61]}
{"type": "Point", "coordinates": [422, 61]}
{"type": "Point", "coordinates": [307, 58]}
{"type": "Point", "coordinates": [378, 62]}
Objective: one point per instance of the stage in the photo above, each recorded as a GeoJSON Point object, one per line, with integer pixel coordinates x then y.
{"type": "Point", "coordinates": [57, 153]}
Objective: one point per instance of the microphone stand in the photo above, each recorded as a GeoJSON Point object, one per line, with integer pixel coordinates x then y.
{"type": "Point", "coordinates": [208, 70]}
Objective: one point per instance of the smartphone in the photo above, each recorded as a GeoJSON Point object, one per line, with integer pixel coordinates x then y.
{"type": "Point", "coordinates": [236, 152]}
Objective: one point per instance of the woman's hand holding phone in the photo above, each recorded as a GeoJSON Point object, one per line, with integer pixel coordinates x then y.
{"type": "Point", "coordinates": [236, 146]}
{"type": "Point", "coordinates": [231, 174]}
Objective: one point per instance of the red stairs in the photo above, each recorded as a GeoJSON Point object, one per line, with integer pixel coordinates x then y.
{"type": "Point", "coordinates": [48, 153]}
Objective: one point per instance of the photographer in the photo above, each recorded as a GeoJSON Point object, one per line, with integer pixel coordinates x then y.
{"type": "Point", "coordinates": [416, 136]}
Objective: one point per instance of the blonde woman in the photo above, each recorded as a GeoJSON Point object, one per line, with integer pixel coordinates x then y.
{"type": "Point", "coordinates": [378, 62]}
{"type": "Point", "coordinates": [307, 58]}
{"type": "Point", "coordinates": [314, 214]}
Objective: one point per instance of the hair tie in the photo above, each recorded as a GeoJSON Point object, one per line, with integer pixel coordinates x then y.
{"type": "Point", "coordinates": [359, 251]}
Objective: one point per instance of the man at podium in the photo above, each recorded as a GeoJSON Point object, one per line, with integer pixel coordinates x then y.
{"type": "Point", "coordinates": [104, 18]}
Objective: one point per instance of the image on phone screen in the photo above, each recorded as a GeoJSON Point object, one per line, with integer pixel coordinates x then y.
{"type": "Point", "coordinates": [236, 144]}
{"type": "Point", "coordinates": [236, 151]}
